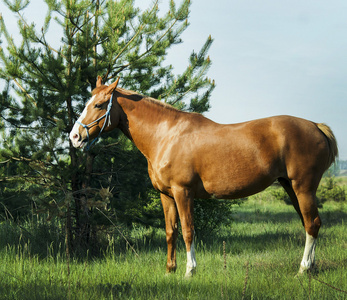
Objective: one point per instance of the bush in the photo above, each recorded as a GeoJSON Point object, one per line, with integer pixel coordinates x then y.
{"type": "Point", "coordinates": [38, 237]}
{"type": "Point", "coordinates": [280, 194]}
{"type": "Point", "coordinates": [210, 214]}
{"type": "Point", "coordinates": [330, 190]}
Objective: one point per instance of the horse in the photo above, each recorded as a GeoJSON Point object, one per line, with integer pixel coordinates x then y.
{"type": "Point", "coordinates": [190, 156]}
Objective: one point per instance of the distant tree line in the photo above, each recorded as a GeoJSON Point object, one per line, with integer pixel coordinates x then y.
{"type": "Point", "coordinates": [342, 164]}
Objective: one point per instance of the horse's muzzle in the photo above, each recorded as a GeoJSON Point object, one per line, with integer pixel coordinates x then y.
{"type": "Point", "coordinates": [76, 139]}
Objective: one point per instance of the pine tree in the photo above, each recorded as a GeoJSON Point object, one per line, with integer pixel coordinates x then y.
{"type": "Point", "coordinates": [47, 87]}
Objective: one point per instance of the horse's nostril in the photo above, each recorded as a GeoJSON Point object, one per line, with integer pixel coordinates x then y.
{"type": "Point", "coordinates": [75, 136]}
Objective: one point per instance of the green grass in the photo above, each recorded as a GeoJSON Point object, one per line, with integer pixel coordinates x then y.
{"type": "Point", "coordinates": [263, 248]}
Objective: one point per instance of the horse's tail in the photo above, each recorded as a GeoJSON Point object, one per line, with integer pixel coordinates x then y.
{"type": "Point", "coordinates": [333, 150]}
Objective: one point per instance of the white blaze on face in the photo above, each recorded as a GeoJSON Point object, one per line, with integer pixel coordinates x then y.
{"type": "Point", "coordinates": [191, 261]}
{"type": "Point", "coordinates": [74, 134]}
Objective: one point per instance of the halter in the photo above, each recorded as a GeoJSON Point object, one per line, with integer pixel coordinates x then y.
{"type": "Point", "coordinates": [86, 127]}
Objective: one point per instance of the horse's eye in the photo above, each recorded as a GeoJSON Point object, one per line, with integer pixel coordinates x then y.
{"type": "Point", "coordinates": [97, 105]}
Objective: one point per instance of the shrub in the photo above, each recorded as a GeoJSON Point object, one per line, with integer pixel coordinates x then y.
{"type": "Point", "coordinates": [280, 194]}
{"type": "Point", "coordinates": [210, 214]}
{"type": "Point", "coordinates": [330, 190]}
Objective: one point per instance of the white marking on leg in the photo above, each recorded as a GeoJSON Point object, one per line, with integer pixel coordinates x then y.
{"type": "Point", "coordinates": [309, 254]}
{"type": "Point", "coordinates": [191, 262]}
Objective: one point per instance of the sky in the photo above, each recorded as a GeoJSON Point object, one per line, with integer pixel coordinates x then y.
{"type": "Point", "coordinates": [273, 57]}
{"type": "Point", "coordinates": [269, 57]}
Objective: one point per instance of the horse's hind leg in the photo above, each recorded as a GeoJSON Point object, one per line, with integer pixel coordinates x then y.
{"type": "Point", "coordinates": [312, 223]}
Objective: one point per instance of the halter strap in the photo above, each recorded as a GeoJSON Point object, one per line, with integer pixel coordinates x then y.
{"type": "Point", "coordinates": [86, 127]}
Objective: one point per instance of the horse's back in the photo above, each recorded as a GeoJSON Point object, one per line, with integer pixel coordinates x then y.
{"type": "Point", "coordinates": [240, 159]}
{"type": "Point", "coordinates": [236, 160]}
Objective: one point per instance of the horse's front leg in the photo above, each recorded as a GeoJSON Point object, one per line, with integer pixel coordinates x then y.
{"type": "Point", "coordinates": [185, 201]}
{"type": "Point", "coordinates": [171, 228]}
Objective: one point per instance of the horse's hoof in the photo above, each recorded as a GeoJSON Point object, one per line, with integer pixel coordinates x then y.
{"type": "Point", "coordinates": [304, 271]}
{"type": "Point", "coordinates": [190, 273]}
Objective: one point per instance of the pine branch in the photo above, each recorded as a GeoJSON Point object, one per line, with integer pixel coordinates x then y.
{"type": "Point", "coordinates": [128, 43]}
{"type": "Point", "coordinates": [148, 51]}
{"type": "Point", "coordinates": [3, 29]}
{"type": "Point", "coordinates": [158, 40]}
{"type": "Point", "coordinates": [24, 91]}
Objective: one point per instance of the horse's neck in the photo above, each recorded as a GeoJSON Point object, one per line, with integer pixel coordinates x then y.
{"type": "Point", "coordinates": [146, 123]}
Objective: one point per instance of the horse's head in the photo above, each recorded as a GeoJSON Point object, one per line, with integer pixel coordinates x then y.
{"type": "Point", "coordinates": [98, 116]}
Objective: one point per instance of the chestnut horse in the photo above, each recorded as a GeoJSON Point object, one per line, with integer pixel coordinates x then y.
{"type": "Point", "coordinates": [191, 156]}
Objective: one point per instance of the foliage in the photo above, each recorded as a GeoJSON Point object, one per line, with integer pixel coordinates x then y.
{"type": "Point", "coordinates": [210, 214]}
{"type": "Point", "coordinates": [46, 86]}
{"type": "Point", "coordinates": [330, 190]}
{"type": "Point", "coordinates": [36, 236]}
{"type": "Point", "coordinates": [280, 194]}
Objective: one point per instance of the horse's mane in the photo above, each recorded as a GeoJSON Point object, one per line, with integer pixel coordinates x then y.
{"type": "Point", "coordinates": [147, 98]}
{"type": "Point", "coordinates": [136, 97]}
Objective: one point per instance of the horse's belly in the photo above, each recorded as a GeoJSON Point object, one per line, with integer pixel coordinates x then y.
{"type": "Point", "coordinates": [232, 191]}
{"type": "Point", "coordinates": [223, 186]}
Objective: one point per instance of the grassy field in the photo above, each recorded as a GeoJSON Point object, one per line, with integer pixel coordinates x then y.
{"type": "Point", "coordinates": [256, 257]}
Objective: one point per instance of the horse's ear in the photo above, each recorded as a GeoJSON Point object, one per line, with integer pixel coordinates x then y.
{"type": "Point", "coordinates": [99, 81]}
{"type": "Point", "coordinates": [112, 87]}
